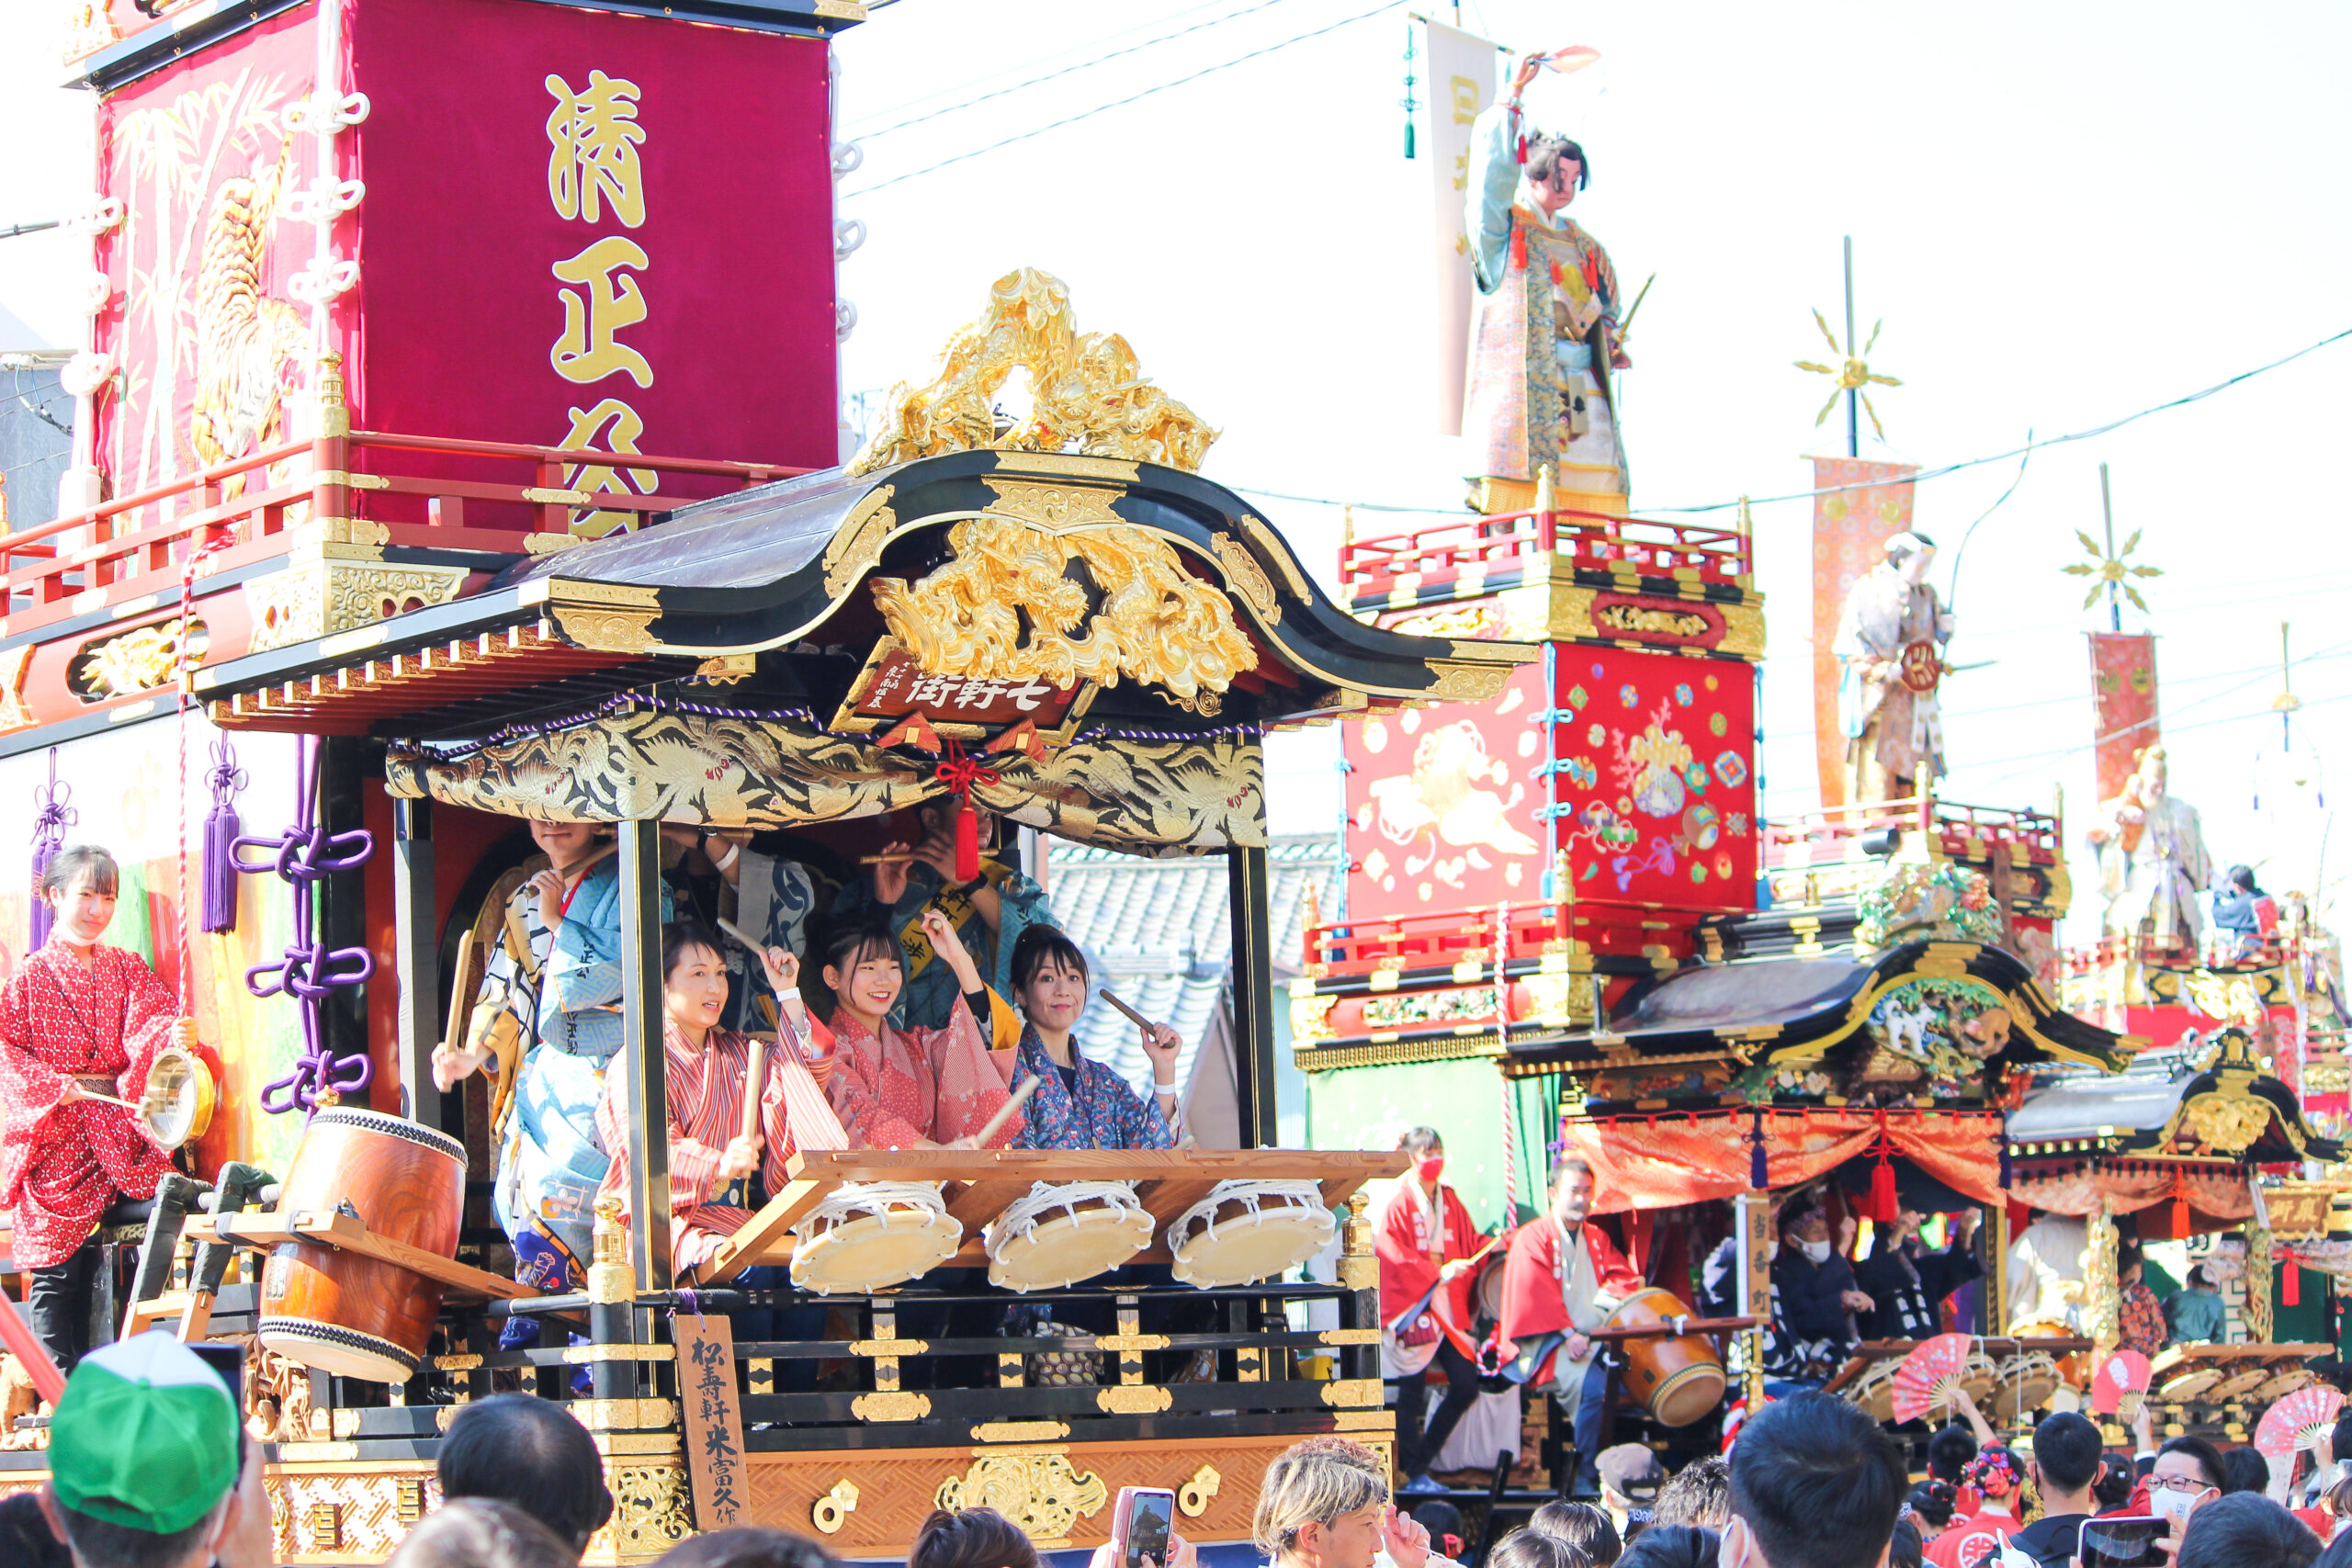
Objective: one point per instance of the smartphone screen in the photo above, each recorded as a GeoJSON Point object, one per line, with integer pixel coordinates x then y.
{"type": "Point", "coordinates": [1150, 1514]}
{"type": "Point", "coordinates": [2126, 1542]}
{"type": "Point", "coordinates": [228, 1363]}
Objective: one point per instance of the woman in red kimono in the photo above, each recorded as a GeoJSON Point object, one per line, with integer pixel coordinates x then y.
{"type": "Point", "coordinates": [915, 1088]}
{"type": "Point", "coordinates": [77, 1019]}
{"type": "Point", "coordinates": [712, 1163]}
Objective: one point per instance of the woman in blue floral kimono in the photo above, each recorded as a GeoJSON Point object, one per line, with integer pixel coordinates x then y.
{"type": "Point", "coordinates": [1080, 1103]}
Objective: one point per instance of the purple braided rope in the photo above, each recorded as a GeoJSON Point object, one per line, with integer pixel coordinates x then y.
{"type": "Point", "coordinates": [302, 856]}
{"type": "Point", "coordinates": [52, 816]}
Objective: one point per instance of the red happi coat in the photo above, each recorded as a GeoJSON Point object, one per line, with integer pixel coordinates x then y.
{"type": "Point", "coordinates": [61, 1164]}
{"type": "Point", "coordinates": [1532, 1303]}
{"type": "Point", "coordinates": [1411, 1250]}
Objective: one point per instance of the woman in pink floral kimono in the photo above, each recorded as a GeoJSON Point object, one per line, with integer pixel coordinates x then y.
{"type": "Point", "coordinates": [914, 1088]}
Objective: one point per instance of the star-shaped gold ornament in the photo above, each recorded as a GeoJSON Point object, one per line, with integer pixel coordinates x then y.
{"type": "Point", "coordinates": [1853, 375]}
{"type": "Point", "coordinates": [2111, 568]}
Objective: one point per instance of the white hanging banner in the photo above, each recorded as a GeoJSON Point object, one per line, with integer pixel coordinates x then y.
{"type": "Point", "coordinates": [1462, 82]}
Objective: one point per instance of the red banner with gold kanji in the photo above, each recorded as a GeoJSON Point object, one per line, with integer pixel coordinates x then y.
{"type": "Point", "coordinates": [2123, 698]}
{"type": "Point", "coordinates": [1860, 506]}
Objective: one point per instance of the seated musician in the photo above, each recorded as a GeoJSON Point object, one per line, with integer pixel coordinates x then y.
{"type": "Point", "coordinates": [910, 1087]}
{"type": "Point", "coordinates": [545, 1023]}
{"type": "Point", "coordinates": [1907, 1283]}
{"type": "Point", "coordinates": [987, 913]}
{"type": "Point", "coordinates": [1423, 1237]}
{"type": "Point", "coordinates": [720, 876]}
{"type": "Point", "coordinates": [1080, 1103]}
{"type": "Point", "coordinates": [1814, 1298]}
{"type": "Point", "coordinates": [77, 1019]}
{"type": "Point", "coordinates": [1562, 1280]}
{"type": "Point", "coordinates": [712, 1161]}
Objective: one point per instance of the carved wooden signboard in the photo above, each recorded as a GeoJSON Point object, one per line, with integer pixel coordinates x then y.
{"type": "Point", "coordinates": [714, 1416]}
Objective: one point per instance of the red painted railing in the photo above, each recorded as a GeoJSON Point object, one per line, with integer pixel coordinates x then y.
{"type": "Point", "coordinates": [139, 543]}
{"type": "Point", "coordinates": [1482, 547]}
{"type": "Point", "coordinates": [1826, 836]}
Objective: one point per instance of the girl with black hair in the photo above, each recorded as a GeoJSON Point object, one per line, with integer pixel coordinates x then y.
{"type": "Point", "coordinates": [712, 1161]}
{"type": "Point", "coordinates": [1080, 1103]}
{"type": "Point", "coordinates": [908, 1088]}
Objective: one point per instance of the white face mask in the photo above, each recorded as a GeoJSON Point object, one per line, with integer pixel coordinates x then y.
{"type": "Point", "coordinates": [2166, 1503]}
{"type": "Point", "coordinates": [1816, 1250]}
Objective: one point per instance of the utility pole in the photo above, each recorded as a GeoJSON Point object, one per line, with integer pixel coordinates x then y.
{"type": "Point", "coordinates": [1853, 394]}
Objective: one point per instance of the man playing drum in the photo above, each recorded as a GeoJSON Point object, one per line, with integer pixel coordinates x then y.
{"type": "Point", "coordinates": [1423, 1237]}
{"type": "Point", "coordinates": [1562, 1279]}
{"type": "Point", "coordinates": [77, 1019]}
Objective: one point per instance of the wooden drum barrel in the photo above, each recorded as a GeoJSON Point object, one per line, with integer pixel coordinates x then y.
{"type": "Point", "coordinates": [343, 1311]}
{"type": "Point", "coordinates": [1677, 1378]}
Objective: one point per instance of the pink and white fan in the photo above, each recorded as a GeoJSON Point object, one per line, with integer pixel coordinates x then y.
{"type": "Point", "coordinates": [2121, 1381]}
{"type": "Point", "coordinates": [2301, 1420]}
{"type": "Point", "coordinates": [1931, 1375]}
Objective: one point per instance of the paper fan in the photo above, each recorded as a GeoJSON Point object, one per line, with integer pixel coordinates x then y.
{"type": "Point", "coordinates": [1576, 57]}
{"type": "Point", "coordinates": [1930, 1375]}
{"type": "Point", "coordinates": [2301, 1420]}
{"type": "Point", "coordinates": [2125, 1372]}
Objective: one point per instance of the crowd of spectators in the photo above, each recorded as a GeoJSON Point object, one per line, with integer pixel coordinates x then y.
{"type": "Point", "coordinates": [150, 1469]}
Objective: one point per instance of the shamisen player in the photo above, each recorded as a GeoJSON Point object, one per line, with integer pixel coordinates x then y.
{"type": "Point", "coordinates": [1562, 1280]}
{"type": "Point", "coordinates": [77, 1020]}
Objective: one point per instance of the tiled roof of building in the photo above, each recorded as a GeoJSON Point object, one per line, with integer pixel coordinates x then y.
{"type": "Point", "coordinates": [1158, 933]}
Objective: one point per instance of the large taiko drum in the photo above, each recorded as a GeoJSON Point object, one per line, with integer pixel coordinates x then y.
{"type": "Point", "coordinates": [343, 1311]}
{"type": "Point", "coordinates": [1677, 1378]}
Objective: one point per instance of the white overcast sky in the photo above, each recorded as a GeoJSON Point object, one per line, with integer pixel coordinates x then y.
{"type": "Point", "coordinates": [2063, 215]}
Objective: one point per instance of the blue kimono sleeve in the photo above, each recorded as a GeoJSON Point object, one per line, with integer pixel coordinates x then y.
{"type": "Point", "coordinates": [583, 988]}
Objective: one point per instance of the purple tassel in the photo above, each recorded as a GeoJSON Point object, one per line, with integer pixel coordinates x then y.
{"type": "Point", "coordinates": [2004, 1151]}
{"type": "Point", "coordinates": [1758, 1178]}
{"type": "Point", "coordinates": [50, 819]}
{"type": "Point", "coordinates": [221, 831]}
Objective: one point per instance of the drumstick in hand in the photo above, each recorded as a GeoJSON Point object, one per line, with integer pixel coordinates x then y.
{"type": "Point", "coordinates": [1004, 1113]}
{"type": "Point", "coordinates": [1104, 992]}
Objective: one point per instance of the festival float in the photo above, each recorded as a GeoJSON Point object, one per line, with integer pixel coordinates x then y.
{"type": "Point", "coordinates": [378, 548]}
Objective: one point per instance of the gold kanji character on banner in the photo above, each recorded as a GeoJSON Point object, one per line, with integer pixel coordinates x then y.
{"type": "Point", "coordinates": [626, 426]}
{"type": "Point", "coordinates": [602, 306]}
{"type": "Point", "coordinates": [593, 136]}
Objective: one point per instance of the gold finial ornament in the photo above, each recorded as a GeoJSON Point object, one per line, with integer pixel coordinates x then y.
{"type": "Point", "coordinates": [610, 1277]}
{"type": "Point", "coordinates": [1088, 392]}
{"type": "Point", "coordinates": [1543, 497]}
{"type": "Point", "coordinates": [1852, 371]}
{"type": "Point", "coordinates": [334, 415]}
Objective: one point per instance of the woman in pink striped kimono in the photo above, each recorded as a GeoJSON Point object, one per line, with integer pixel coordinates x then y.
{"type": "Point", "coordinates": [713, 1162]}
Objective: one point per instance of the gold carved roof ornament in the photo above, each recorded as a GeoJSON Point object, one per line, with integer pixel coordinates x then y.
{"type": "Point", "coordinates": [1155, 623]}
{"type": "Point", "coordinates": [1089, 392]}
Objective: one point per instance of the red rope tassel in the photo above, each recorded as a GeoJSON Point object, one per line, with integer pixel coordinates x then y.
{"type": "Point", "coordinates": [959, 772]}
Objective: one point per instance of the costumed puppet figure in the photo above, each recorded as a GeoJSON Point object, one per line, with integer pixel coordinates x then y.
{"type": "Point", "coordinates": [2044, 1282]}
{"type": "Point", "coordinates": [1562, 1279]}
{"type": "Point", "coordinates": [712, 1162]}
{"type": "Point", "coordinates": [1080, 1103]}
{"type": "Point", "coordinates": [766, 896]}
{"type": "Point", "coordinates": [546, 1023]}
{"type": "Point", "coordinates": [1907, 1283]}
{"type": "Point", "coordinates": [1814, 1298]}
{"type": "Point", "coordinates": [904, 1087]}
{"type": "Point", "coordinates": [1890, 650]}
{"type": "Point", "coordinates": [1423, 1238]}
{"type": "Point", "coordinates": [988, 914]}
{"type": "Point", "coordinates": [2152, 859]}
{"type": "Point", "coordinates": [1544, 340]}
{"type": "Point", "coordinates": [77, 1019]}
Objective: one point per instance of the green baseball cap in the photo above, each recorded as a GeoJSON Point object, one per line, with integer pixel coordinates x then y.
{"type": "Point", "coordinates": [145, 1437]}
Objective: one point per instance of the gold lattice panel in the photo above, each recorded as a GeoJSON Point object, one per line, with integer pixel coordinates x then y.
{"type": "Point", "coordinates": [347, 1513]}
{"type": "Point", "coordinates": [895, 1489]}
